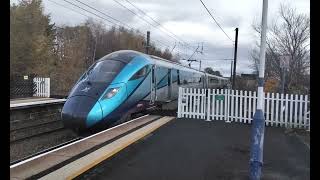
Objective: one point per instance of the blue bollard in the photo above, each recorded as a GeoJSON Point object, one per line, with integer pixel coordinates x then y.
{"type": "Point", "coordinates": [256, 156]}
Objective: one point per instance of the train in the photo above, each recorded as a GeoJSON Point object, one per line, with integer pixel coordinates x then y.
{"type": "Point", "coordinates": [127, 81]}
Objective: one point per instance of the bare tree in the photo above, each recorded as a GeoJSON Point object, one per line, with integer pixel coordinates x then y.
{"type": "Point", "coordinates": [289, 34]}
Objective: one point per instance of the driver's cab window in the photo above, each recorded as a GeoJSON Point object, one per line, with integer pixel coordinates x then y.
{"type": "Point", "coordinates": [141, 73]}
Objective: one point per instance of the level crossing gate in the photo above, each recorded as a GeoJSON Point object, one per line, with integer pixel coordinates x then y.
{"type": "Point", "coordinates": [281, 110]}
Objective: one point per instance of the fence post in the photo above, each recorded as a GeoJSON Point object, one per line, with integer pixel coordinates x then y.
{"type": "Point", "coordinates": [306, 113]}
{"type": "Point", "coordinates": [228, 104]}
{"type": "Point", "coordinates": [48, 86]}
{"type": "Point", "coordinates": [35, 82]}
{"type": "Point", "coordinates": [179, 102]}
{"type": "Point", "coordinates": [208, 104]}
{"type": "Point", "coordinates": [286, 111]}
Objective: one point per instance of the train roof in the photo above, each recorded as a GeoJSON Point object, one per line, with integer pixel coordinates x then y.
{"type": "Point", "coordinates": [123, 55]}
{"type": "Point", "coordinates": [170, 64]}
{"type": "Point", "coordinates": [127, 55]}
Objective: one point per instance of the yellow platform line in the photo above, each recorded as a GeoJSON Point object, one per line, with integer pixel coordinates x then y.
{"type": "Point", "coordinates": [85, 163]}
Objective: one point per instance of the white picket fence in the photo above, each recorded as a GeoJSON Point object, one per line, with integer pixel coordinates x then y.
{"type": "Point", "coordinates": [239, 106]}
{"type": "Point", "coordinates": [42, 87]}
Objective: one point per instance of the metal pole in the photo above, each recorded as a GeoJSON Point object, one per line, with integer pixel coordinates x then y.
{"type": "Point", "coordinates": [148, 42]}
{"type": "Point", "coordinates": [231, 72]}
{"type": "Point", "coordinates": [258, 123]}
{"type": "Point", "coordinates": [235, 59]}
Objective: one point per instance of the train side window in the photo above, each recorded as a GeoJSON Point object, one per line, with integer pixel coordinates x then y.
{"type": "Point", "coordinates": [214, 81]}
{"type": "Point", "coordinates": [141, 73]}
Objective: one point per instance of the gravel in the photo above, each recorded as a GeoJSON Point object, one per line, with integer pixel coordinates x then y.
{"type": "Point", "coordinates": [21, 149]}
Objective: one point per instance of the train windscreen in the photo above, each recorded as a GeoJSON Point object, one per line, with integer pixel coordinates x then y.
{"type": "Point", "coordinates": [104, 71]}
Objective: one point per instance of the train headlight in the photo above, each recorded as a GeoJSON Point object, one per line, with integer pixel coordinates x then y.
{"type": "Point", "coordinates": [111, 92]}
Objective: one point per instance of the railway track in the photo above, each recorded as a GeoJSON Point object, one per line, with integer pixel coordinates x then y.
{"type": "Point", "coordinates": [24, 133]}
{"type": "Point", "coordinates": [52, 164]}
{"type": "Point", "coordinates": [36, 140]}
{"type": "Point", "coordinates": [45, 151]}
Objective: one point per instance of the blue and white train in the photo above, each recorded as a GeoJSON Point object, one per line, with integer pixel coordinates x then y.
{"type": "Point", "coordinates": [123, 82]}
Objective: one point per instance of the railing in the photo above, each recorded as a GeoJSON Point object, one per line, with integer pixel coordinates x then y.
{"type": "Point", "coordinates": [42, 87]}
{"type": "Point", "coordinates": [239, 106]}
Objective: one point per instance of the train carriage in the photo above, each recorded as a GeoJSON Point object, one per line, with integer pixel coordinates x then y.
{"type": "Point", "coordinates": [117, 83]}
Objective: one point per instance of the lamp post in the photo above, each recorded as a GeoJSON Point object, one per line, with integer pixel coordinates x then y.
{"type": "Point", "coordinates": [258, 123]}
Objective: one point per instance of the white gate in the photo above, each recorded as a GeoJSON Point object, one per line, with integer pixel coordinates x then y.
{"type": "Point", "coordinates": [42, 87]}
{"type": "Point", "coordinates": [239, 106]}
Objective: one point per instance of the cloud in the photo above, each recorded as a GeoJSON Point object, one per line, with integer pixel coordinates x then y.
{"type": "Point", "coordinates": [189, 21]}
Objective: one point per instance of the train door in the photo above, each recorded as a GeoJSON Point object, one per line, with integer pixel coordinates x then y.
{"type": "Point", "coordinates": [153, 87]}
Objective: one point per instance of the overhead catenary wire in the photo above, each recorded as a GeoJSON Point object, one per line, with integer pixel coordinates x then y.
{"type": "Point", "coordinates": [113, 18]}
{"type": "Point", "coordinates": [128, 26]}
{"type": "Point", "coordinates": [122, 5]}
{"type": "Point", "coordinates": [215, 20]}
{"type": "Point", "coordinates": [116, 22]}
{"type": "Point", "coordinates": [104, 14]}
{"type": "Point", "coordinates": [61, 5]}
{"type": "Point", "coordinates": [96, 10]}
{"type": "Point", "coordinates": [88, 11]}
{"type": "Point", "coordinates": [155, 21]}
{"type": "Point", "coordinates": [208, 59]}
{"type": "Point", "coordinates": [119, 3]}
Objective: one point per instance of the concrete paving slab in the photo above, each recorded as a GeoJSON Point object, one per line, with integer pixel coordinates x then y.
{"type": "Point", "coordinates": [197, 149]}
{"type": "Point", "coordinates": [31, 102]}
{"type": "Point", "coordinates": [31, 99]}
{"type": "Point", "coordinates": [37, 165]}
{"type": "Point", "coordinates": [82, 164]}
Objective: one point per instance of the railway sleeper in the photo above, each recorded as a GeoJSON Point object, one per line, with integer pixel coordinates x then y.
{"type": "Point", "coordinates": [35, 131]}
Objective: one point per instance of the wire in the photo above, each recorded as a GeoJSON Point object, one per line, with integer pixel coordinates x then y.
{"type": "Point", "coordinates": [96, 10]}
{"type": "Point", "coordinates": [155, 21]}
{"type": "Point", "coordinates": [105, 14]}
{"type": "Point", "coordinates": [100, 16]}
{"type": "Point", "coordinates": [69, 8]}
{"type": "Point", "coordinates": [119, 3]}
{"type": "Point", "coordinates": [135, 14]}
{"type": "Point", "coordinates": [88, 11]}
{"type": "Point", "coordinates": [115, 19]}
{"type": "Point", "coordinates": [217, 59]}
{"type": "Point", "coordinates": [215, 20]}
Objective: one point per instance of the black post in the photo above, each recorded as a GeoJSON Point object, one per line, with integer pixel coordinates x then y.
{"type": "Point", "coordinates": [148, 42]}
{"type": "Point", "coordinates": [235, 59]}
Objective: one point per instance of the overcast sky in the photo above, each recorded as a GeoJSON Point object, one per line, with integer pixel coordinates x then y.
{"type": "Point", "coordinates": [188, 20]}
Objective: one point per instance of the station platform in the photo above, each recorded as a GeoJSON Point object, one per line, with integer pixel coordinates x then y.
{"type": "Point", "coordinates": [163, 147]}
{"type": "Point", "coordinates": [198, 149]}
{"type": "Point", "coordinates": [33, 101]}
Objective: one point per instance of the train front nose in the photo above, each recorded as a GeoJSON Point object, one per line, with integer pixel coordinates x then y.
{"type": "Point", "coordinates": [80, 112]}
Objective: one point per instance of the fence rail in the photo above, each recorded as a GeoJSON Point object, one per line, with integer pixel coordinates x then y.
{"type": "Point", "coordinates": [281, 110]}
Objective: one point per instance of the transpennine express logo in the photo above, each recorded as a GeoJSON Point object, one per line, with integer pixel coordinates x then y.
{"type": "Point", "coordinates": [86, 89]}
